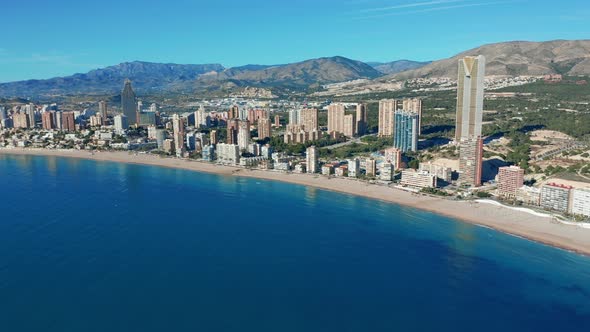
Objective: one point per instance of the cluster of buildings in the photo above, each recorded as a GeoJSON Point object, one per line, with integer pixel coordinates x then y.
{"type": "Point", "coordinates": [550, 196]}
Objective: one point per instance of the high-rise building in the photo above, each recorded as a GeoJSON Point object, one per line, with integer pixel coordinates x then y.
{"type": "Point", "coordinates": [556, 197]}
{"type": "Point", "coordinates": [31, 113]}
{"type": "Point", "coordinates": [393, 156]}
{"type": "Point", "coordinates": [146, 118]}
{"type": "Point", "coordinates": [234, 112]}
{"type": "Point", "coordinates": [213, 137]}
{"type": "Point", "coordinates": [312, 159]}
{"type": "Point", "coordinates": [470, 94]}
{"type": "Point", "coordinates": [264, 128]}
{"type": "Point", "coordinates": [244, 134]}
{"type": "Point", "coordinates": [58, 120]}
{"type": "Point", "coordinates": [440, 171]}
{"type": "Point", "coordinates": [309, 119]}
{"type": "Point", "coordinates": [349, 129]}
{"type": "Point", "coordinates": [178, 130]}
{"type": "Point", "coordinates": [509, 180]}
{"type": "Point", "coordinates": [68, 121]}
{"type": "Point", "coordinates": [47, 120]}
{"type": "Point", "coordinates": [103, 109]}
{"type": "Point", "coordinates": [354, 167]}
{"type": "Point", "coordinates": [387, 108]}
{"type": "Point", "coordinates": [228, 153]}
{"type": "Point", "coordinates": [120, 123]}
{"type": "Point", "coordinates": [160, 137]}
{"type": "Point", "coordinates": [2, 113]}
{"type": "Point", "coordinates": [406, 131]}
{"type": "Point", "coordinates": [581, 202]}
{"type": "Point", "coordinates": [277, 121]}
{"type": "Point", "coordinates": [232, 131]}
{"type": "Point", "coordinates": [361, 120]}
{"type": "Point", "coordinates": [414, 105]}
{"type": "Point", "coordinates": [294, 117]}
{"type": "Point", "coordinates": [336, 114]}
{"type": "Point", "coordinates": [128, 102]}
{"type": "Point", "coordinates": [371, 167]}
{"type": "Point", "coordinates": [386, 172]}
{"type": "Point", "coordinates": [20, 120]}
{"type": "Point", "coordinates": [471, 161]}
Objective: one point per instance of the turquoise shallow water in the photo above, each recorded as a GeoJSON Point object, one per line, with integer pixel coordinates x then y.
{"type": "Point", "coordinates": [98, 246]}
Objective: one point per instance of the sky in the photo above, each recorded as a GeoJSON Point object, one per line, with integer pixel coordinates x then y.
{"type": "Point", "coordinates": [42, 39]}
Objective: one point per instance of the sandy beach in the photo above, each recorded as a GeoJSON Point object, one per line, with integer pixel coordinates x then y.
{"type": "Point", "coordinates": [541, 229]}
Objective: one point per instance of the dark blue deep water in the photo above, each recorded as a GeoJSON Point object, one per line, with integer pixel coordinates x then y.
{"type": "Point", "coordinates": [97, 246]}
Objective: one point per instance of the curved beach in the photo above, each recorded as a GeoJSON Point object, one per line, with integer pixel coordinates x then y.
{"type": "Point", "coordinates": [512, 221]}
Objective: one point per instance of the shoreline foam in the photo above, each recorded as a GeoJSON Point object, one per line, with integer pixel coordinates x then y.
{"type": "Point", "coordinates": [504, 219]}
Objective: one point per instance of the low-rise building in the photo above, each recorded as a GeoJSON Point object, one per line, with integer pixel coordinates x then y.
{"type": "Point", "coordinates": [529, 195]}
{"type": "Point", "coordinates": [417, 179]}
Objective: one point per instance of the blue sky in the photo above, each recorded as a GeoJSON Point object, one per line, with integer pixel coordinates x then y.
{"type": "Point", "coordinates": [42, 39]}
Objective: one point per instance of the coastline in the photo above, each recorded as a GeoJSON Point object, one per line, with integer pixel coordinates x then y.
{"type": "Point", "coordinates": [504, 219]}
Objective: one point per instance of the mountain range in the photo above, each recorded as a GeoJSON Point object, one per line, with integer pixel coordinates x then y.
{"type": "Point", "coordinates": [569, 57]}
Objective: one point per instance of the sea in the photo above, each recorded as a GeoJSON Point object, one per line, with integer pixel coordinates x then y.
{"type": "Point", "coordinates": [102, 246]}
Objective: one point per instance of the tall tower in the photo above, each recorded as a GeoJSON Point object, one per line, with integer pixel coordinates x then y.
{"type": "Point", "coordinates": [406, 131]}
{"type": "Point", "coordinates": [387, 109]}
{"type": "Point", "coordinates": [470, 97]}
{"type": "Point", "coordinates": [264, 128]}
{"type": "Point", "coordinates": [244, 134]}
{"type": "Point", "coordinates": [178, 128]}
{"type": "Point", "coordinates": [102, 109]}
{"type": "Point", "coordinates": [312, 159]}
{"type": "Point", "coordinates": [361, 119]}
{"type": "Point", "coordinates": [128, 102]}
{"type": "Point", "coordinates": [309, 119]}
{"type": "Point", "coordinates": [336, 114]}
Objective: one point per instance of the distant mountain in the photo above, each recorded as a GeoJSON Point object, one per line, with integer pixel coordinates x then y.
{"type": "Point", "coordinates": [296, 75]}
{"type": "Point", "coordinates": [568, 57]}
{"type": "Point", "coordinates": [395, 67]}
{"type": "Point", "coordinates": [146, 76]}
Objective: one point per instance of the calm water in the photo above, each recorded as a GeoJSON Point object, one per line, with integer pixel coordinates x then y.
{"type": "Point", "coordinates": [96, 246]}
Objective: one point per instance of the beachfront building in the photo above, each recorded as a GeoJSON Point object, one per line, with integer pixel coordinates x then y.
{"type": "Point", "coordinates": [440, 171]}
{"type": "Point", "coordinates": [509, 180]}
{"type": "Point", "coordinates": [529, 195]}
{"type": "Point", "coordinates": [471, 161]}
{"type": "Point", "coordinates": [556, 197]}
{"type": "Point", "coordinates": [208, 153]}
{"type": "Point", "coordinates": [312, 159]}
{"type": "Point", "coordinates": [371, 167]}
{"type": "Point", "coordinates": [394, 156]}
{"type": "Point", "coordinates": [581, 202]}
{"type": "Point", "coordinates": [417, 179]}
{"type": "Point", "coordinates": [386, 172]}
{"type": "Point", "coordinates": [328, 169]}
{"type": "Point", "coordinates": [228, 153]}
{"type": "Point", "coordinates": [354, 167]}
{"type": "Point", "coordinates": [121, 123]}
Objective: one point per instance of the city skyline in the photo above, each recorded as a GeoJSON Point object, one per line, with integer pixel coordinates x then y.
{"type": "Point", "coordinates": [60, 50]}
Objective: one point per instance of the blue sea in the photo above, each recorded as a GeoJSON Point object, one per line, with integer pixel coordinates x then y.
{"type": "Point", "coordinates": [100, 246]}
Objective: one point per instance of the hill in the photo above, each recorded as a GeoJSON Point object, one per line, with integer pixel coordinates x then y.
{"type": "Point", "coordinates": [568, 57]}
{"type": "Point", "coordinates": [395, 67]}
{"type": "Point", "coordinates": [295, 75]}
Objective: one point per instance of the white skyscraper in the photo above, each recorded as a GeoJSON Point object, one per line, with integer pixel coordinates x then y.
{"type": "Point", "coordinates": [470, 93]}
